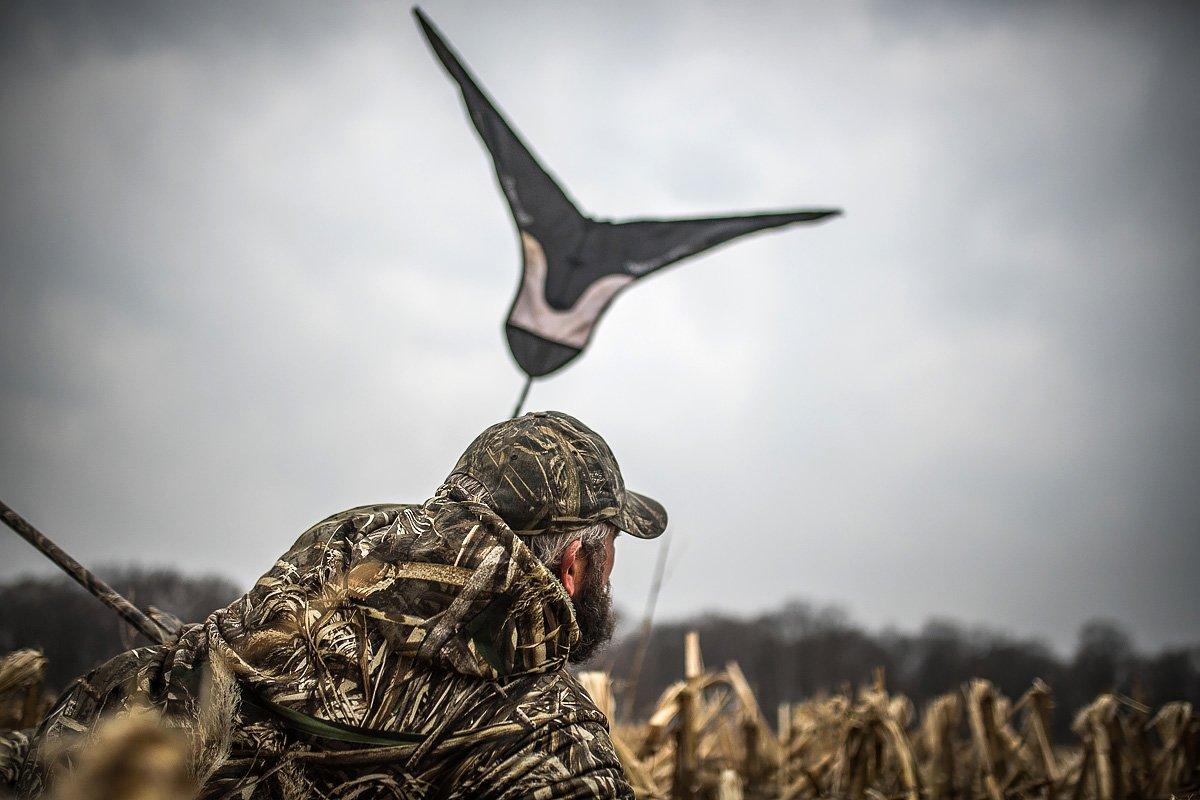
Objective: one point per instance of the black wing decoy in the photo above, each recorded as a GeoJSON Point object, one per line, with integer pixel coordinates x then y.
{"type": "Point", "coordinates": [574, 265]}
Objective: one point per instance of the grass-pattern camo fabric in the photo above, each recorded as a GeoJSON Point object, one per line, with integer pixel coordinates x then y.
{"type": "Point", "coordinates": [432, 619]}
{"type": "Point", "coordinates": [547, 471]}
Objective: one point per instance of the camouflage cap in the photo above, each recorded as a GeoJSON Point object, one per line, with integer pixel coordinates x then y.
{"type": "Point", "coordinates": [547, 471]}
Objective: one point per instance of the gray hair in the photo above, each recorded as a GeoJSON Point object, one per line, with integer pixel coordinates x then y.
{"type": "Point", "coordinates": [548, 548]}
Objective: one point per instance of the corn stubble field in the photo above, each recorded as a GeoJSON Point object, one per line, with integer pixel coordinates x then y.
{"type": "Point", "coordinates": [708, 738]}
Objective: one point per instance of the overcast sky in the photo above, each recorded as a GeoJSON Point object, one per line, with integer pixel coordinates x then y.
{"type": "Point", "coordinates": [255, 265]}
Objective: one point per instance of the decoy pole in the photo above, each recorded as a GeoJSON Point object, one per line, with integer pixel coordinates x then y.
{"type": "Point", "coordinates": [84, 577]}
{"type": "Point", "coordinates": [524, 394]}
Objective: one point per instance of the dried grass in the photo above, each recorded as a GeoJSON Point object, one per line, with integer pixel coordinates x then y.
{"type": "Point", "coordinates": [21, 701]}
{"type": "Point", "coordinates": [134, 756]}
{"type": "Point", "coordinates": [974, 744]}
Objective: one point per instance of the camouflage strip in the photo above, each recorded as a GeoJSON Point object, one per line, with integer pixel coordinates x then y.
{"type": "Point", "coordinates": [328, 729]}
{"type": "Point", "coordinates": [383, 755]}
{"type": "Point", "coordinates": [369, 577]}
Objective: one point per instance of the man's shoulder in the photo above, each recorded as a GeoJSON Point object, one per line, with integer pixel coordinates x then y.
{"type": "Point", "coordinates": [360, 516]}
{"type": "Point", "coordinates": [559, 694]}
{"type": "Point", "coordinates": [350, 524]}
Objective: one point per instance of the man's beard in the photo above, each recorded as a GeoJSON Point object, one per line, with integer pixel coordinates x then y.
{"type": "Point", "coordinates": [594, 616]}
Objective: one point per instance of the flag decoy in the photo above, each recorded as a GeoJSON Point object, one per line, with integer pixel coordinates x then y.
{"type": "Point", "coordinates": [575, 265]}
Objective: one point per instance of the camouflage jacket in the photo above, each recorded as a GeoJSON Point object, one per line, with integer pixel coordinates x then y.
{"type": "Point", "coordinates": [394, 651]}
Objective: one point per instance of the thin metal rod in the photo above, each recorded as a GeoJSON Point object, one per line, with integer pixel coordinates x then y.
{"type": "Point", "coordinates": [98, 588]}
{"type": "Point", "coordinates": [524, 393]}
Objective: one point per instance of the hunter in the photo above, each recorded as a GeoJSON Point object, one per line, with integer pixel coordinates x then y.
{"type": "Point", "coordinates": [403, 651]}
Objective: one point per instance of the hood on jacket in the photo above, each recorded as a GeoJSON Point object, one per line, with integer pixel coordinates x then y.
{"type": "Point", "coordinates": [368, 598]}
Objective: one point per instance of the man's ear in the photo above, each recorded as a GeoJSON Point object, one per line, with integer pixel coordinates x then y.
{"type": "Point", "coordinates": [572, 567]}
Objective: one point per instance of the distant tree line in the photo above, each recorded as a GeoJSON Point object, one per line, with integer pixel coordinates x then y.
{"type": "Point", "coordinates": [77, 632]}
{"type": "Point", "coordinates": [801, 650]}
{"type": "Point", "coordinates": [792, 653]}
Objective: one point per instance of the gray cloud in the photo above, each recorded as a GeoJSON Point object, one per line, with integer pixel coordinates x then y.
{"type": "Point", "coordinates": [254, 267]}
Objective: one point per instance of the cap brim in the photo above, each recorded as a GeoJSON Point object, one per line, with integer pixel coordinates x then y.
{"type": "Point", "coordinates": [642, 517]}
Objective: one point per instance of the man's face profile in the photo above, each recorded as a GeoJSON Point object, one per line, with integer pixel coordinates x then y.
{"type": "Point", "coordinates": [587, 582]}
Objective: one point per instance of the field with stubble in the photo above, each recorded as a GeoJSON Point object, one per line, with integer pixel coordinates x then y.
{"type": "Point", "coordinates": [707, 737]}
